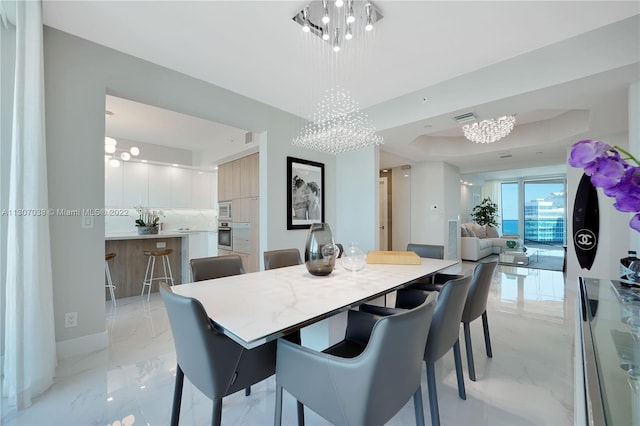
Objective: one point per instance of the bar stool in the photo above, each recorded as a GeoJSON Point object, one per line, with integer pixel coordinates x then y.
{"type": "Point", "coordinates": [151, 263]}
{"type": "Point", "coordinates": [109, 285]}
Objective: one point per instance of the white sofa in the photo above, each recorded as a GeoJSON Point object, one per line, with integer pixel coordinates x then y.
{"type": "Point", "coordinates": [478, 241]}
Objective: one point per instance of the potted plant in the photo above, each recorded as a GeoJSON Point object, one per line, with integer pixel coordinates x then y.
{"type": "Point", "coordinates": [148, 220]}
{"type": "Point", "coordinates": [485, 213]}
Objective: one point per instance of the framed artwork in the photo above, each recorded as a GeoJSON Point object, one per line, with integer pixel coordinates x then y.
{"type": "Point", "coordinates": [305, 193]}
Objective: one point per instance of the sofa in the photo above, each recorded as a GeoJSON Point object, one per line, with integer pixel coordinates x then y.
{"type": "Point", "coordinates": [478, 241]}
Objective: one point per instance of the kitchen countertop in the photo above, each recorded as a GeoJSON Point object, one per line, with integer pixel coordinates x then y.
{"type": "Point", "coordinates": [171, 233]}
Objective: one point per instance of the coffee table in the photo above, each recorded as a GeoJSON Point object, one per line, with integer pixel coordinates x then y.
{"type": "Point", "coordinates": [514, 256]}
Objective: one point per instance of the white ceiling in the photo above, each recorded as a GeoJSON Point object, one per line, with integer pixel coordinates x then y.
{"type": "Point", "coordinates": [421, 49]}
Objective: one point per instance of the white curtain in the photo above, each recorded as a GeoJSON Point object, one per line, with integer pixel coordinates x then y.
{"type": "Point", "coordinates": [29, 333]}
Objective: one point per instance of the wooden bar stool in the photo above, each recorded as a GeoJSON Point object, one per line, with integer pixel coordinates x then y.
{"type": "Point", "coordinates": [109, 285]}
{"type": "Point", "coordinates": [151, 263]}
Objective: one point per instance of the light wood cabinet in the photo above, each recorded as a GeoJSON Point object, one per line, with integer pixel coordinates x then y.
{"type": "Point", "coordinates": [225, 178]}
{"type": "Point", "coordinates": [236, 180]}
{"type": "Point", "coordinates": [249, 179]}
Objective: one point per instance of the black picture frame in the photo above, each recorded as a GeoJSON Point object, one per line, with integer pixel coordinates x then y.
{"type": "Point", "coordinates": [305, 193]}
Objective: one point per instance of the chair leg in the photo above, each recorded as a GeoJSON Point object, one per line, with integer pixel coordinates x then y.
{"type": "Point", "coordinates": [277, 421]}
{"type": "Point", "coordinates": [216, 415]}
{"type": "Point", "coordinates": [487, 339]}
{"type": "Point", "coordinates": [170, 273]}
{"type": "Point", "coordinates": [467, 344]}
{"type": "Point", "coordinates": [247, 391]}
{"type": "Point", "coordinates": [110, 283]}
{"type": "Point", "coordinates": [153, 267]}
{"type": "Point", "coordinates": [146, 274]}
{"type": "Point", "coordinates": [300, 413]}
{"type": "Point", "coordinates": [177, 397]}
{"type": "Point", "coordinates": [433, 395]}
{"type": "Point", "coordinates": [417, 406]}
{"type": "Point", "coordinates": [459, 373]}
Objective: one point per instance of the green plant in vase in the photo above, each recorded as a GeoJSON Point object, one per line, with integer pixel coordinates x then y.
{"type": "Point", "coordinates": [485, 213]}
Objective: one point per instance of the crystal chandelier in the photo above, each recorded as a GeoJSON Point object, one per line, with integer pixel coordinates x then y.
{"type": "Point", "coordinates": [338, 21]}
{"type": "Point", "coordinates": [337, 126]}
{"type": "Point", "coordinates": [488, 131]}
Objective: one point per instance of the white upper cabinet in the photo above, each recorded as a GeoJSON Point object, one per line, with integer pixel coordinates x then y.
{"type": "Point", "coordinates": [180, 188]}
{"type": "Point", "coordinates": [201, 190]}
{"type": "Point", "coordinates": [135, 184]}
{"type": "Point", "coordinates": [114, 185]}
{"type": "Point", "coordinates": [159, 186]}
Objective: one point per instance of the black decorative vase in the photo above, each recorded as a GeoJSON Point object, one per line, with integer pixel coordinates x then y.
{"type": "Point", "coordinates": [320, 252]}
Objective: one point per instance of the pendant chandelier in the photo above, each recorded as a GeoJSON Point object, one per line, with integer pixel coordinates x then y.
{"type": "Point", "coordinates": [113, 155]}
{"type": "Point", "coordinates": [337, 126]}
{"type": "Point", "coordinates": [338, 21]}
{"type": "Point", "coordinates": [489, 131]}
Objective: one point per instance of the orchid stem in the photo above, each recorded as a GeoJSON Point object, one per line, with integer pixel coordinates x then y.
{"type": "Point", "coordinates": [625, 152]}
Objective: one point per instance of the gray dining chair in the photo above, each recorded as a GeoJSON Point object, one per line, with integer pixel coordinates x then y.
{"type": "Point", "coordinates": [476, 306]}
{"type": "Point", "coordinates": [443, 333]}
{"type": "Point", "coordinates": [209, 268]}
{"type": "Point", "coordinates": [368, 385]}
{"type": "Point", "coordinates": [433, 252]}
{"type": "Point", "coordinates": [212, 362]}
{"type": "Point", "coordinates": [274, 259]}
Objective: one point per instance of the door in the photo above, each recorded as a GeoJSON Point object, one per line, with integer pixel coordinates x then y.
{"type": "Point", "coordinates": [384, 215]}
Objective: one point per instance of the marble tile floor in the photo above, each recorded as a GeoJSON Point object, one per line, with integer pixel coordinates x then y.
{"type": "Point", "coordinates": [529, 380]}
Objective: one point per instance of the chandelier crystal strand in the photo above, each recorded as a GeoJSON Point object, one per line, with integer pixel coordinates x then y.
{"type": "Point", "coordinates": [337, 126]}
{"type": "Point", "coordinates": [489, 131]}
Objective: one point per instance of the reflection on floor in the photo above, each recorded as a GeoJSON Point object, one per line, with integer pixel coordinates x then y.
{"type": "Point", "coordinates": [529, 380]}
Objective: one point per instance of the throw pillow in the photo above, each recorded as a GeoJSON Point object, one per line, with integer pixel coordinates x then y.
{"type": "Point", "coordinates": [470, 232]}
{"type": "Point", "coordinates": [463, 232]}
{"type": "Point", "coordinates": [480, 232]}
{"type": "Point", "coordinates": [492, 232]}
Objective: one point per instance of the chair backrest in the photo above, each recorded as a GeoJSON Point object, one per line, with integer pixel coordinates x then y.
{"type": "Point", "coordinates": [427, 250]}
{"type": "Point", "coordinates": [387, 373]}
{"type": "Point", "coordinates": [205, 356]}
{"type": "Point", "coordinates": [208, 268]}
{"type": "Point", "coordinates": [445, 326]}
{"type": "Point", "coordinates": [478, 294]}
{"type": "Point", "coordinates": [274, 259]}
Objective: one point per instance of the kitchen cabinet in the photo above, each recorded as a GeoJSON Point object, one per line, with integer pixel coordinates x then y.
{"type": "Point", "coordinates": [201, 190]}
{"type": "Point", "coordinates": [159, 186]}
{"type": "Point", "coordinates": [180, 188]}
{"type": "Point", "coordinates": [135, 184]}
{"type": "Point", "coordinates": [225, 177]}
{"type": "Point", "coordinates": [114, 186]}
{"type": "Point", "coordinates": [236, 179]}
{"type": "Point", "coordinates": [249, 179]}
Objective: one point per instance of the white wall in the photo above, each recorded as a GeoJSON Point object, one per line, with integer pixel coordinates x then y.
{"type": "Point", "coordinates": [78, 75]}
{"type": "Point", "coordinates": [357, 214]}
{"type": "Point", "coordinates": [401, 207]}
{"type": "Point", "coordinates": [634, 142]}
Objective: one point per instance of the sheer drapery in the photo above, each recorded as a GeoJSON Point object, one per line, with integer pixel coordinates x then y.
{"type": "Point", "coordinates": [493, 189]}
{"type": "Point", "coordinates": [29, 334]}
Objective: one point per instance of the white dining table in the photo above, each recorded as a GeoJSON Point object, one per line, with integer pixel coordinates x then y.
{"type": "Point", "coordinates": [258, 307]}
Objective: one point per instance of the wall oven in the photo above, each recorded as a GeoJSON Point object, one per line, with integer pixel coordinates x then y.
{"type": "Point", "coordinates": [225, 237]}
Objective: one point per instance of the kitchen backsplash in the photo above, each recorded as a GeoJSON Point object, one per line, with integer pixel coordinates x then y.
{"type": "Point", "coordinates": [173, 219]}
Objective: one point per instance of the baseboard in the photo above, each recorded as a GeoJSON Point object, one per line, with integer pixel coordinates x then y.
{"type": "Point", "coordinates": [82, 345]}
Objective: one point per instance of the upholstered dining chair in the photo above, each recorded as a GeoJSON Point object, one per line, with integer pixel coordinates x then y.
{"type": "Point", "coordinates": [476, 306]}
{"type": "Point", "coordinates": [433, 252]}
{"type": "Point", "coordinates": [443, 333]}
{"type": "Point", "coordinates": [209, 268]}
{"type": "Point", "coordinates": [364, 380]}
{"type": "Point", "coordinates": [212, 362]}
{"type": "Point", "coordinates": [275, 259]}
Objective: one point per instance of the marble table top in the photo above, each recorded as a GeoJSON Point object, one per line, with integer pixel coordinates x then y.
{"type": "Point", "coordinates": [258, 307]}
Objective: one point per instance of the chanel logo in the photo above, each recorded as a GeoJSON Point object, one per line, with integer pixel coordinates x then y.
{"type": "Point", "coordinates": [585, 239]}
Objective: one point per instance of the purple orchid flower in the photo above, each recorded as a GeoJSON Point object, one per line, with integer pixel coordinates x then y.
{"type": "Point", "coordinates": [586, 152]}
{"type": "Point", "coordinates": [634, 223]}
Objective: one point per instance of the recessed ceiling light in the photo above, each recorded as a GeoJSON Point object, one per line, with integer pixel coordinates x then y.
{"type": "Point", "coordinates": [425, 100]}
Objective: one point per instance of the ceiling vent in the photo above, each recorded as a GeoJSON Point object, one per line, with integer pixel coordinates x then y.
{"type": "Point", "coordinates": [248, 137]}
{"type": "Point", "coordinates": [505, 155]}
{"type": "Point", "coordinates": [466, 118]}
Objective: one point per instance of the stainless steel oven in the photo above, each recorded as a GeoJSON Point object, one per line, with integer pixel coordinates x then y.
{"type": "Point", "coordinates": [225, 237]}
